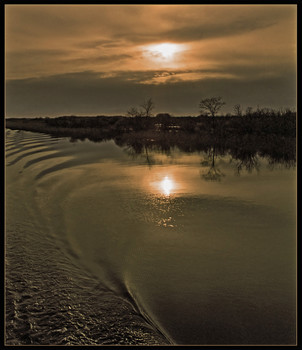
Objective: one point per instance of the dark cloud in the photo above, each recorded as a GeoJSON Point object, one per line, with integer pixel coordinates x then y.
{"type": "Point", "coordinates": [217, 30]}
{"type": "Point", "coordinates": [92, 44]}
{"type": "Point", "coordinates": [199, 31]}
{"type": "Point", "coordinates": [89, 93]}
{"type": "Point", "coordinates": [208, 22]}
{"type": "Point", "coordinates": [139, 24]}
{"type": "Point", "coordinates": [14, 58]}
{"type": "Point", "coordinates": [96, 59]}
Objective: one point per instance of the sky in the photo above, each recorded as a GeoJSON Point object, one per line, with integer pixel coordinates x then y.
{"type": "Point", "coordinates": [104, 59]}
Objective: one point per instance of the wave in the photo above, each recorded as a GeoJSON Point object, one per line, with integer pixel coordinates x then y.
{"type": "Point", "coordinates": [51, 298]}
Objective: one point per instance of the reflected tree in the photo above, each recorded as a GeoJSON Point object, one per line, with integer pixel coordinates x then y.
{"type": "Point", "coordinates": [246, 160]}
{"type": "Point", "coordinates": [213, 173]}
{"type": "Point", "coordinates": [150, 160]}
{"type": "Point", "coordinates": [287, 164]}
{"type": "Point", "coordinates": [140, 150]}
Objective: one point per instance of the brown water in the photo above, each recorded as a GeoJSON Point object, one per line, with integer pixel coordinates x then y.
{"type": "Point", "coordinates": [97, 235]}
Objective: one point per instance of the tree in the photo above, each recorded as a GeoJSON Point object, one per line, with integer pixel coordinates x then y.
{"type": "Point", "coordinates": [249, 111]}
{"type": "Point", "coordinates": [238, 110]}
{"type": "Point", "coordinates": [133, 112]}
{"type": "Point", "coordinates": [147, 106]}
{"type": "Point", "coordinates": [211, 105]}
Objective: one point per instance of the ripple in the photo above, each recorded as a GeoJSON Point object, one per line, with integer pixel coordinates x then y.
{"type": "Point", "coordinates": [50, 298]}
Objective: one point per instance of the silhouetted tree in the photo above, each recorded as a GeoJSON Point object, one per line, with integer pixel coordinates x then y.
{"type": "Point", "coordinates": [211, 105]}
{"type": "Point", "coordinates": [147, 106]}
{"type": "Point", "coordinates": [238, 110]}
{"type": "Point", "coordinates": [133, 112]}
{"type": "Point", "coordinates": [249, 111]}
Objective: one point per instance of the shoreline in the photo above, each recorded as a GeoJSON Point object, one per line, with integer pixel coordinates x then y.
{"type": "Point", "coordinates": [242, 137]}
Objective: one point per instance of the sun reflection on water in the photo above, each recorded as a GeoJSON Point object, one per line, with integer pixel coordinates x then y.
{"type": "Point", "coordinates": [165, 182]}
{"type": "Point", "coordinates": [167, 185]}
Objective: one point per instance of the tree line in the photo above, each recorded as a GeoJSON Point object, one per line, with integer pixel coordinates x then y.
{"type": "Point", "coordinates": [261, 121]}
{"type": "Point", "coordinates": [208, 107]}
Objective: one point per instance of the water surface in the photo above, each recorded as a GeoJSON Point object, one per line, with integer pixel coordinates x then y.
{"type": "Point", "coordinates": [202, 245]}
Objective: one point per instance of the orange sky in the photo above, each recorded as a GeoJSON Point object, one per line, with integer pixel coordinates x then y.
{"type": "Point", "coordinates": [102, 59]}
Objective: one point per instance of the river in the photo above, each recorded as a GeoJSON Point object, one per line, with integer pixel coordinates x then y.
{"type": "Point", "coordinates": [107, 246]}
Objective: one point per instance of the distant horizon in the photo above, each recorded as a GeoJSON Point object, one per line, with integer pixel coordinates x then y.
{"type": "Point", "coordinates": [254, 109]}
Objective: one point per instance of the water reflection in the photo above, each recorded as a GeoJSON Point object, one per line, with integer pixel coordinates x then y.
{"type": "Point", "coordinates": [167, 185]}
{"type": "Point", "coordinates": [244, 154]}
{"type": "Point", "coordinates": [211, 161]}
{"type": "Point", "coordinates": [163, 182]}
{"type": "Point", "coordinates": [246, 159]}
{"type": "Point", "coordinates": [209, 261]}
{"type": "Point", "coordinates": [135, 151]}
{"type": "Point", "coordinates": [213, 173]}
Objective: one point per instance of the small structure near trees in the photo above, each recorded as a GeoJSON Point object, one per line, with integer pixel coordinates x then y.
{"type": "Point", "coordinates": [164, 120]}
{"type": "Point", "coordinates": [163, 115]}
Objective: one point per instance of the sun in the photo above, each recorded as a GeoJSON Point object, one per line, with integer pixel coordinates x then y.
{"type": "Point", "coordinates": [164, 51]}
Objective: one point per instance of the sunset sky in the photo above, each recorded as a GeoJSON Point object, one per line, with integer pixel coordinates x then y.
{"type": "Point", "coordinates": [104, 59]}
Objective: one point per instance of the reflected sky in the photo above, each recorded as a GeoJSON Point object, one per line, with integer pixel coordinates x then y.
{"type": "Point", "coordinates": [209, 261]}
{"type": "Point", "coordinates": [172, 174]}
{"type": "Point", "coordinates": [186, 179]}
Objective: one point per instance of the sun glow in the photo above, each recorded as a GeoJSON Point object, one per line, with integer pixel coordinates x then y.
{"type": "Point", "coordinates": [164, 51]}
{"type": "Point", "coordinates": [167, 185]}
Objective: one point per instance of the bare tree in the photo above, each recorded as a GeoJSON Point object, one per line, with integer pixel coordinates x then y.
{"type": "Point", "coordinates": [147, 106]}
{"type": "Point", "coordinates": [238, 110]}
{"type": "Point", "coordinates": [249, 111]}
{"type": "Point", "coordinates": [211, 105]}
{"type": "Point", "coordinates": [133, 112]}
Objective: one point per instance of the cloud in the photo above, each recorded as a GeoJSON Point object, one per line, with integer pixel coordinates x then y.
{"type": "Point", "coordinates": [219, 30]}
{"type": "Point", "coordinates": [92, 44]}
{"type": "Point", "coordinates": [89, 93]}
{"type": "Point", "coordinates": [96, 59]}
{"type": "Point", "coordinates": [90, 58]}
{"type": "Point", "coordinates": [181, 23]}
{"type": "Point", "coordinates": [180, 76]}
{"type": "Point", "coordinates": [106, 24]}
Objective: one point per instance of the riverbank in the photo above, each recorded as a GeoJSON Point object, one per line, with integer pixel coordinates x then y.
{"type": "Point", "coordinates": [269, 135]}
{"type": "Point", "coordinates": [111, 126]}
